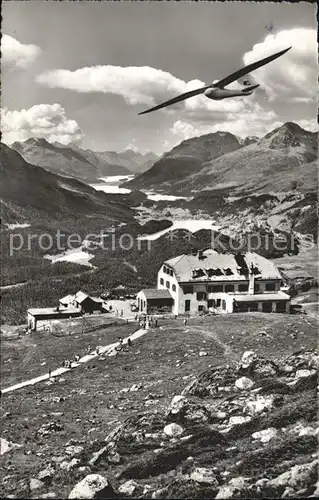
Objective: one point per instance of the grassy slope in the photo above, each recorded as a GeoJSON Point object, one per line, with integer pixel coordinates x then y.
{"type": "Point", "coordinates": [94, 397]}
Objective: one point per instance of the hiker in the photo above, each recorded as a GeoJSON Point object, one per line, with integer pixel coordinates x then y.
{"type": "Point", "coordinates": [50, 372]}
{"type": "Point", "coordinates": [121, 313]}
{"type": "Point", "coordinates": [129, 342]}
{"type": "Point", "coordinates": [110, 308]}
{"type": "Point", "coordinates": [77, 358]}
{"type": "Point", "coordinates": [97, 350]}
{"type": "Point", "coordinates": [185, 321]}
{"type": "Point", "coordinates": [135, 317]}
{"type": "Point", "coordinates": [156, 323]}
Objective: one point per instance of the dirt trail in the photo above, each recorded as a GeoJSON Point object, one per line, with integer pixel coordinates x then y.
{"type": "Point", "coordinates": [229, 353]}
{"type": "Point", "coordinates": [59, 371]}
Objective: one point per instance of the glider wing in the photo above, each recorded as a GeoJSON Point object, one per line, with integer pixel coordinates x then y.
{"type": "Point", "coordinates": [248, 69]}
{"type": "Point", "coordinates": [179, 98]}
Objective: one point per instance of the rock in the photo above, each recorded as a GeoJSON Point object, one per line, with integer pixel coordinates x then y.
{"type": "Point", "coordinates": [183, 409]}
{"type": "Point", "coordinates": [98, 456]}
{"type": "Point", "coordinates": [114, 458]}
{"type": "Point", "coordinates": [238, 420]}
{"type": "Point", "coordinates": [259, 404]}
{"type": "Point", "coordinates": [173, 430]}
{"type": "Point", "coordinates": [265, 435]}
{"type": "Point", "coordinates": [70, 465]}
{"type": "Point", "coordinates": [204, 475]}
{"type": "Point", "coordinates": [6, 446]}
{"type": "Point", "coordinates": [135, 387]}
{"type": "Point", "coordinates": [254, 364]}
{"type": "Point", "coordinates": [93, 486]}
{"type": "Point", "coordinates": [128, 487]}
{"type": "Point", "coordinates": [299, 476]}
{"type": "Point", "coordinates": [203, 353]}
{"type": "Point", "coordinates": [51, 494]}
{"type": "Point", "coordinates": [244, 383]}
{"type": "Point", "coordinates": [47, 474]}
{"type": "Point", "coordinates": [36, 484]}
{"type": "Point", "coordinates": [248, 358]}
{"type": "Point", "coordinates": [74, 450]}
{"type": "Point", "coordinates": [305, 373]}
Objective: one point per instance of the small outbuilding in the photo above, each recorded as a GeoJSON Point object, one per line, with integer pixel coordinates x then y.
{"type": "Point", "coordinates": [154, 301]}
{"type": "Point", "coordinates": [84, 302]}
{"type": "Point", "coordinates": [50, 313]}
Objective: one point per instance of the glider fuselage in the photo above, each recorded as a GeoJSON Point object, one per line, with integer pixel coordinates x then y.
{"type": "Point", "coordinates": [216, 93]}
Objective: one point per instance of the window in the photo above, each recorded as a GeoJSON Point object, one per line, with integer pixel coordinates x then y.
{"type": "Point", "coordinates": [270, 287]}
{"type": "Point", "coordinates": [174, 288]}
{"type": "Point", "coordinates": [188, 289]}
{"type": "Point", "coordinates": [243, 288]}
{"type": "Point", "coordinates": [215, 289]}
{"type": "Point", "coordinates": [224, 305]}
{"type": "Point", "coordinates": [167, 284]}
{"type": "Point", "coordinates": [211, 303]}
{"type": "Point", "coordinates": [187, 305]}
{"type": "Point", "coordinates": [164, 269]}
{"type": "Point", "coordinates": [161, 281]}
{"type": "Point", "coordinates": [229, 288]}
{"type": "Point", "coordinates": [257, 288]}
{"type": "Point", "coordinates": [201, 296]}
{"type": "Point", "coordinates": [218, 301]}
{"type": "Point", "coordinates": [200, 308]}
{"type": "Point", "coordinates": [171, 272]}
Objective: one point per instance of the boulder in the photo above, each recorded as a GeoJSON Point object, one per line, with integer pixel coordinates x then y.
{"type": "Point", "coordinates": [128, 487]}
{"type": "Point", "coordinates": [265, 435]}
{"type": "Point", "coordinates": [73, 451]}
{"type": "Point", "coordinates": [238, 420]}
{"type": "Point", "coordinates": [47, 474]}
{"type": "Point", "coordinates": [299, 476]}
{"type": "Point", "coordinates": [93, 486]}
{"type": "Point", "coordinates": [65, 465]}
{"type": "Point", "coordinates": [6, 446]}
{"type": "Point", "coordinates": [253, 364]}
{"type": "Point", "coordinates": [259, 404]}
{"type": "Point", "coordinates": [173, 430]}
{"type": "Point", "coordinates": [236, 488]}
{"type": "Point", "coordinates": [204, 475]}
{"type": "Point", "coordinates": [36, 484]}
{"type": "Point", "coordinates": [244, 383]}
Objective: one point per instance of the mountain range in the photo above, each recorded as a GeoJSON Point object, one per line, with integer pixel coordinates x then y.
{"type": "Point", "coordinates": [30, 192]}
{"type": "Point", "coordinates": [83, 164]}
{"type": "Point", "coordinates": [275, 162]}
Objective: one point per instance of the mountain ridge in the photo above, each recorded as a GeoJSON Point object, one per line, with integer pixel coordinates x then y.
{"type": "Point", "coordinates": [234, 164]}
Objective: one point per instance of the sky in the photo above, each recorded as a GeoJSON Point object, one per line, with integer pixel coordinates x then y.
{"type": "Point", "coordinates": [82, 71]}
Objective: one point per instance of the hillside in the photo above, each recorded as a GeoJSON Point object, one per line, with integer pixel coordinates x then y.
{"type": "Point", "coordinates": [184, 160]}
{"type": "Point", "coordinates": [67, 160]}
{"type": "Point", "coordinates": [276, 162]}
{"type": "Point", "coordinates": [30, 192]}
{"type": "Point", "coordinates": [184, 413]}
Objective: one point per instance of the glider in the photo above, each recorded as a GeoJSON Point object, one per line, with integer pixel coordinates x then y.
{"type": "Point", "coordinates": [217, 90]}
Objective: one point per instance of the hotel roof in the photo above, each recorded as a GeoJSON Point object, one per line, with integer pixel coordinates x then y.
{"type": "Point", "coordinates": [227, 265]}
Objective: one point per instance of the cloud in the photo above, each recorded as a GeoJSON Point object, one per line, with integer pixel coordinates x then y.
{"type": "Point", "coordinates": [137, 85]}
{"type": "Point", "coordinates": [42, 120]}
{"type": "Point", "coordinates": [292, 77]}
{"type": "Point", "coordinates": [16, 54]}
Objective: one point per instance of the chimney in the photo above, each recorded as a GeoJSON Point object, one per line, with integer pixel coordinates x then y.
{"type": "Point", "coordinates": [251, 286]}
